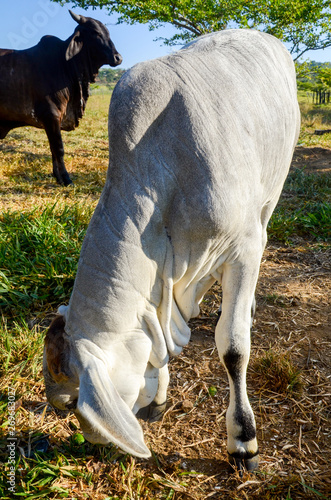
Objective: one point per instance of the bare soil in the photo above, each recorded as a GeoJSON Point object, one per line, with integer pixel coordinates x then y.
{"type": "Point", "coordinates": [313, 159]}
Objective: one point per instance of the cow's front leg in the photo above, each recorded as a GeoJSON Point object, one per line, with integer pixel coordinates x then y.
{"type": "Point", "coordinates": [233, 342]}
{"type": "Point", "coordinates": [154, 411]}
{"type": "Point", "coordinates": [53, 131]}
{"type": "Point", "coordinates": [159, 404]}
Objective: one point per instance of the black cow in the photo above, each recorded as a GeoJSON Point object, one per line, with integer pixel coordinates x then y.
{"type": "Point", "coordinates": [47, 86]}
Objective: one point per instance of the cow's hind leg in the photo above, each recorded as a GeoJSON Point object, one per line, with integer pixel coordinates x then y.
{"type": "Point", "coordinates": [233, 342]}
{"type": "Point", "coordinates": [253, 308]}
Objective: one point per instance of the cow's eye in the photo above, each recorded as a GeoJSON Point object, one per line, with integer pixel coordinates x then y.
{"type": "Point", "coordinates": [72, 405]}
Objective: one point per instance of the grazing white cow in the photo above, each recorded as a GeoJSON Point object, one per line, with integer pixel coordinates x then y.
{"type": "Point", "coordinates": [200, 145]}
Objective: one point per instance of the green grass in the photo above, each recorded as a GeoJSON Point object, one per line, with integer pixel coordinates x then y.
{"type": "Point", "coordinates": [47, 474]}
{"type": "Point", "coordinates": [304, 208]}
{"type": "Point", "coordinates": [38, 256]}
{"type": "Point", "coordinates": [26, 166]}
{"type": "Point", "coordinates": [20, 349]}
{"type": "Point", "coordinates": [311, 220]}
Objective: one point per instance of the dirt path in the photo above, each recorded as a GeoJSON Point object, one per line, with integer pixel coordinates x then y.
{"type": "Point", "coordinates": [313, 159]}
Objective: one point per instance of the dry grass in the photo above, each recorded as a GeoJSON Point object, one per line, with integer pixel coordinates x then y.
{"type": "Point", "coordinates": [288, 377]}
{"type": "Point", "coordinates": [276, 372]}
{"type": "Point", "coordinates": [313, 118]}
{"type": "Point", "coordinates": [26, 165]}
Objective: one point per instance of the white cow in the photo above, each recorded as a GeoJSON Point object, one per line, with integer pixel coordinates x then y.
{"type": "Point", "coordinates": [200, 145]}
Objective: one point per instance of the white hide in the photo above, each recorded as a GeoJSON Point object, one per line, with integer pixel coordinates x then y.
{"type": "Point", "coordinates": [200, 145]}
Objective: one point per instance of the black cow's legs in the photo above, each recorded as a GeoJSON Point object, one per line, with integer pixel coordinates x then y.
{"type": "Point", "coordinates": [53, 132]}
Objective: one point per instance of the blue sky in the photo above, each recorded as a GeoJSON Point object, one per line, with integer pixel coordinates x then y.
{"type": "Point", "coordinates": [24, 22]}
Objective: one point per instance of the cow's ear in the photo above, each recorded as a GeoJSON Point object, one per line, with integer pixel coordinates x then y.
{"type": "Point", "coordinates": [55, 347]}
{"type": "Point", "coordinates": [104, 416]}
{"type": "Point", "coordinates": [75, 46]}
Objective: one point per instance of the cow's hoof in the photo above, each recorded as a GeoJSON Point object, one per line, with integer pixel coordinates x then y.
{"type": "Point", "coordinates": [240, 463]}
{"type": "Point", "coordinates": [152, 412]}
{"type": "Point", "coordinates": [67, 181]}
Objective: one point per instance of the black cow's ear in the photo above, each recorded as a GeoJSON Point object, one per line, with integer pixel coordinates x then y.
{"type": "Point", "coordinates": [75, 46]}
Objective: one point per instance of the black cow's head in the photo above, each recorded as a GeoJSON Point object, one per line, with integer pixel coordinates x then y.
{"type": "Point", "coordinates": [95, 35]}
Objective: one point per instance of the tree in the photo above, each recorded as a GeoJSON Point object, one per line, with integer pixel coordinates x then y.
{"type": "Point", "coordinates": [324, 77]}
{"type": "Point", "coordinates": [302, 24]}
{"type": "Point", "coordinates": [109, 77]}
{"type": "Point", "coordinates": [314, 77]}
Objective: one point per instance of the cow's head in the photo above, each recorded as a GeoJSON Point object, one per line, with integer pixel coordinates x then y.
{"type": "Point", "coordinates": [95, 36]}
{"type": "Point", "coordinates": [77, 379]}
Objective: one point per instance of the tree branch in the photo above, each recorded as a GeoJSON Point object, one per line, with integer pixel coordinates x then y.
{"type": "Point", "coordinates": [188, 25]}
{"type": "Point", "coordinates": [317, 47]}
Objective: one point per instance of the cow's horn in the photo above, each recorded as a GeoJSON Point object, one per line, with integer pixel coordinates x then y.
{"type": "Point", "coordinates": [76, 17]}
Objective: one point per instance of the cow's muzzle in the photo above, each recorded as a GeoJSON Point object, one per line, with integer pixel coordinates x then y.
{"type": "Point", "coordinates": [115, 59]}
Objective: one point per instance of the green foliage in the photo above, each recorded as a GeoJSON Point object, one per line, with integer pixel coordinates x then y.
{"type": "Point", "coordinates": [109, 77]}
{"type": "Point", "coordinates": [303, 71]}
{"type": "Point", "coordinates": [212, 390]}
{"type": "Point", "coordinates": [312, 76]}
{"type": "Point", "coordinates": [38, 256]}
{"type": "Point", "coordinates": [78, 439]}
{"type": "Point", "coordinates": [302, 24]}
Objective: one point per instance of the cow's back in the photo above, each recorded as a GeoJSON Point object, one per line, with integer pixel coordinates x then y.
{"type": "Point", "coordinates": [16, 81]}
{"type": "Point", "coordinates": [200, 143]}
{"type": "Point", "coordinates": [211, 128]}
{"type": "Point", "coordinates": [28, 77]}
